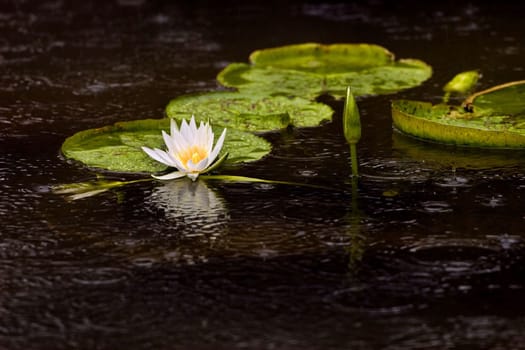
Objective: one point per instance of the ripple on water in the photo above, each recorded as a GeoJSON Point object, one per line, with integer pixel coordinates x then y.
{"type": "Point", "coordinates": [101, 276]}
{"type": "Point", "coordinates": [457, 257]}
{"type": "Point", "coordinates": [116, 80]}
{"type": "Point", "coordinates": [434, 207]}
{"type": "Point", "coordinates": [452, 180]}
{"type": "Point", "coordinates": [265, 240]}
{"type": "Point", "coordinates": [277, 222]}
{"type": "Point", "coordinates": [395, 169]}
{"type": "Point", "coordinates": [491, 201]}
{"type": "Point", "coordinates": [457, 260]}
{"type": "Point", "coordinates": [395, 279]}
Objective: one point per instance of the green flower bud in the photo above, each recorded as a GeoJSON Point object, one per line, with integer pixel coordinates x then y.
{"type": "Point", "coordinates": [351, 119]}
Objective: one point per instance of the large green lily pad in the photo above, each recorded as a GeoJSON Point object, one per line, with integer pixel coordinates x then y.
{"type": "Point", "coordinates": [118, 147]}
{"type": "Point", "coordinates": [310, 70]}
{"type": "Point", "coordinates": [491, 118]}
{"type": "Point", "coordinates": [251, 112]}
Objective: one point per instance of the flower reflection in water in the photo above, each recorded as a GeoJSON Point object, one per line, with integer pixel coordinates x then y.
{"type": "Point", "coordinates": [193, 207]}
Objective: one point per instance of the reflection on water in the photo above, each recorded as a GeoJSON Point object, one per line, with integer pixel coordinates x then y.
{"type": "Point", "coordinates": [455, 157]}
{"type": "Point", "coordinates": [191, 204]}
{"type": "Point", "coordinates": [428, 254]}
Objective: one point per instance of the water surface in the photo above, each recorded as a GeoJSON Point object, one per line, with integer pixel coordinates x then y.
{"type": "Point", "coordinates": [429, 255]}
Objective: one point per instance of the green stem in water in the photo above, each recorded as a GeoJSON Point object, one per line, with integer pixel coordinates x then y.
{"type": "Point", "coordinates": [234, 178]}
{"type": "Point", "coordinates": [353, 157]}
{"type": "Point", "coordinates": [357, 246]}
{"type": "Point", "coordinates": [446, 97]}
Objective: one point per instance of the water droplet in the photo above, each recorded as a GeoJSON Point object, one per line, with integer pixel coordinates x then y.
{"type": "Point", "coordinates": [436, 207]}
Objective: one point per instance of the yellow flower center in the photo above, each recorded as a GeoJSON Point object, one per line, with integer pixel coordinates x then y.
{"type": "Point", "coordinates": [195, 153]}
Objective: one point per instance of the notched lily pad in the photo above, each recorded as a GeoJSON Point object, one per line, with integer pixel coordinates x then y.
{"type": "Point", "coordinates": [250, 112]}
{"type": "Point", "coordinates": [310, 70]}
{"type": "Point", "coordinates": [118, 147]}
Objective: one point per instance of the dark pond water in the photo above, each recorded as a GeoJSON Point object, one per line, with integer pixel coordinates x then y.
{"type": "Point", "coordinates": [424, 257]}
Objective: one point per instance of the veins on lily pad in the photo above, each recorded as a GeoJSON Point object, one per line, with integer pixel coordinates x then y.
{"type": "Point", "coordinates": [492, 118]}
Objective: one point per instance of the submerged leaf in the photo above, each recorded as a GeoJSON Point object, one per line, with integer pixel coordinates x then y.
{"type": "Point", "coordinates": [81, 190]}
{"type": "Point", "coordinates": [312, 69]}
{"type": "Point", "coordinates": [118, 147]}
{"type": "Point", "coordinates": [250, 112]}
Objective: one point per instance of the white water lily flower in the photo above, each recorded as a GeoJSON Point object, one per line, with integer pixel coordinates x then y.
{"type": "Point", "coordinates": [190, 149]}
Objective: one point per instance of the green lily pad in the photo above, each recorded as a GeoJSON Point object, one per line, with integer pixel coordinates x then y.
{"type": "Point", "coordinates": [454, 125]}
{"type": "Point", "coordinates": [250, 112]}
{"type": "Point", "coordinates": [118, 147]}
{"type": "Point", "coordinates": [310, 70]}
{"type": "Point", "coordinates": [463, 82]}
{"type": "Point", "coordinates": [506, 99]}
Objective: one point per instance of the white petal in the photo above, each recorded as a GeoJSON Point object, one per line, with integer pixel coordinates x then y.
{"type": "Point", "coordinates": [168, 141]}
{"type": "Point", "coordinates": [198, 135]}
{"type": "Point", "coordinates": [167, 158]}
{"type": "Point", "coordinates": [158, 155]}
{"type": "Point", "coordinates": [173, 161]}
{"type": "Point", "coordinates": [193, 125]}
{"type": "Point", "coordinates": [175, 139]}
{"type": "Point", "coordinates": [190, 131]}
{"type": "Point", "coordinates": [170, 176]}
{"type": "Point", "coordinates": [206, 137]}
{"type": "Point", "coordinates": [209, 135]}
{"type": "Point", "coordinates": [185, 132]}
{"type": "Point", "coordinates": [193, 176]}
{"type": "Point", "coordinates": [217, 148]}
{"type": "Point", "coordinates": [200, 166]}
{"type": "Point", "coordinates": [179, 142]}
{"type": "Point", "coordinates": [179, 165]}
{"type": "Point", "coordinates": [173, 127]}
